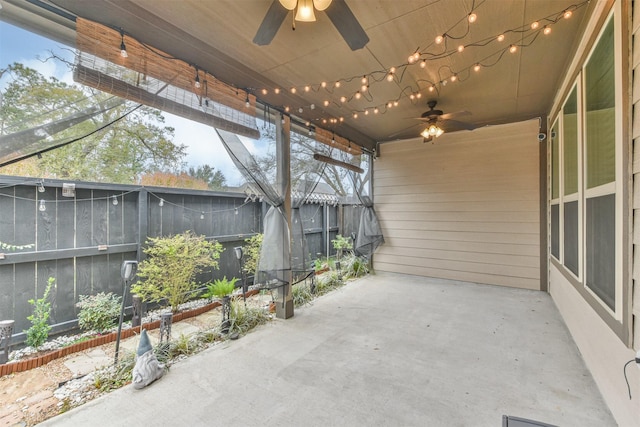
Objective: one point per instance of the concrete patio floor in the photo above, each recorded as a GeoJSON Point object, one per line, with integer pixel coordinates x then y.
{"type": "Point", "coordinates": [390, 350]}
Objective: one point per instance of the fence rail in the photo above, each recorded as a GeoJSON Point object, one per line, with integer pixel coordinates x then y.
{"type": "Point", "coordinates": [82, 240]}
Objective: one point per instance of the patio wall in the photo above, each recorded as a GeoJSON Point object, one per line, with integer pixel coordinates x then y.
{"type": "Point", "coordinates": [82, 241]}
{"type": "Point", "coordinates": [466, 207]}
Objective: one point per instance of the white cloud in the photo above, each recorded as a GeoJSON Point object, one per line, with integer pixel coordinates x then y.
{"type": "Point", "coordinates": [203, 147]}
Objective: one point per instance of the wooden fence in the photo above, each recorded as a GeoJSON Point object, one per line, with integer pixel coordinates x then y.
{"type": "Point", "coordinates": [82, 240]}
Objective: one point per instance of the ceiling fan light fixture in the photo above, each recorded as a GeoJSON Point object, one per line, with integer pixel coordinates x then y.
{"type": "Point", "coordinates": [289, 4]}
{"type": "Point", "coordinates": [321, 4]}
{"type": "Point", "coordinates": [305, 11]}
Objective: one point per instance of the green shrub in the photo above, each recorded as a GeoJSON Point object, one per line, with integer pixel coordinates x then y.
{"type": "Point", "coordinates": [327, 282]}
{"type": "Point", "coordinates": [355, 266]}
{"type": "Point", "coordinates": [220, 288]}
{"type": "Point", "coordinates": [340, 244]}
{"type": "Point", "coordinates": [38, 333]}
{"type": "Point", "coordinates": [172, 264]}
{"type": "Point", "coordinates": [301, 294]}
{"type": "Point", "coordinates": [98, 312]}
{"type": "Point", "coordinates": [244, 319]}
{"type": "Point", "coordinates": [252, 254]}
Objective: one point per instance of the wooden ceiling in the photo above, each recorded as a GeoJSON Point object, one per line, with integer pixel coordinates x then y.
{"type": "Point", "coordinates": [216, 35]}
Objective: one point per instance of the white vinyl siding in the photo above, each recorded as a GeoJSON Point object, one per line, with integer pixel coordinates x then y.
{"type": "Point", "coordinates": [465, 208]}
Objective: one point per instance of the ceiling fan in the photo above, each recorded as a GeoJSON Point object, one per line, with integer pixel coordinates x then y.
{"type": "Point", "coordinates": [439, 123]}
{"type": "Point", "coordinates": [337, 11]}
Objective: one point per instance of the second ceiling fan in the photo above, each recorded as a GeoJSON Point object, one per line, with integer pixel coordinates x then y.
{"type": "Point", "coordinates": [337, 11]}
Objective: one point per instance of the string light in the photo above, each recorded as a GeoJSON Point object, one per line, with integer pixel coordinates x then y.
{"type": "Point", "coordinates": [42, 207]}
{"type": "Point", "coordinates": [535, 25]}
{"type": "Point", "coordinates": [323, 84]}
{"type": "Point", "coordinates": [547, 30]}
{"type": "Point", "coordinates": [246, 101]}
{"type": "Point", "coordinates": [196, 83]}
{"type": "Point", "coordinates": [472, 17]}
{"type": "Point", "coordinates": [264, 91]}
{"type": "Point", "coordinates": [476, 68]}
{"type": "Point", "coordinates": [202, 215]}
{"type": "Point", "coordinates": [439, 39]}
{"type": "Point", "coordinates": [375, 110]}
{"type": "Point", "coordinates": [343, 99]}
{"type": "Point", "coordinates": [277, 91]}
{"type": "Point", "coordinates": [307, 88]}
{"type": "Point", "coordinates": [337, 84]}
{"type": "Point", "coordinates": [460, 48]}
{"type": "Point", "coordinates": [114, 200]}
{"type": "Point", "coordinates": [325, 103]}
{"type": "Point", "coordinates": [41, 188]}
{"type": "Point", "coordinates": [423, 63]}
{"type": "Point", "coordinates": [500, 38]}
{"type": "Point", "coordinates": [567, 14]}
{"type": "Point", "coordinates": [293, 90]}
{"type": "Point", "coordinates": [358, 95]}
{"type": "Point", "coordinates": [453, 77]}
{"type": "Point", "coordinates": [123, 48]}
{"type": "Point", "coordinates": [161, 203]}
{"type": "Point", "coordinates": [513, 48]}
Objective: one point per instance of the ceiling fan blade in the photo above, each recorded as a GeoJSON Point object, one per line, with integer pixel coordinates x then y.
{"type": "Point", "coordinates": [270, 24]}
{"type": "Point", "coordinates": [456, 114]}
{"type": "Point", "coordinates": [454, 125]}
{"type": "Point", "coordinates": [347, 24]}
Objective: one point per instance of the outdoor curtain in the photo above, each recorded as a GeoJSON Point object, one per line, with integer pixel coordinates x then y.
{"type": "Point", "coordinates": [305, 175]}
{"type": "Point", "coordinates": [274, 260]}
{"type": "Point", "coordinates": [369, 235]}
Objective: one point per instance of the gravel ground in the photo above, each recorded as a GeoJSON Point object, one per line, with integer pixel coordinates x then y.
{"type": "Point", "coordinates": [27, 398]}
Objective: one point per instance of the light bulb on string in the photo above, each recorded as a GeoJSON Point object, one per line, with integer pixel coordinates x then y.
{"type": "Point", "coordinates": [364, 80]}
{"type": "Point", "coordinates": [114, 200]}
{"type": "Point", "coordinates": [123, 48]}
{"type": "Point", "coordinates": [196, 82]}
{"type": "Point", "coordinates": [202, 215]}
{"type": "Point", "coordinates": [358, 95]}
{"type": "Point", "coordinates": [439, 39]}
{"type": "Point", "coordinates": [161, 203]}
{"type": "Point", "coordinates": [323, 84]}
{"type": "Point", "coordinates": [472, 17]}
{"type": "Point", "coordinates": [453, 77]}
{"type": "Point", "coordinates": [246, 102]}
{"type": "Point", "coordinates": [567, 14]}
{"type": "Point", "coordinates": [343, 99]}
{"type": "Point", "coordinates": [41, 188]}
{"type": "Point", "coordinates": [500, 38]}
{"type": "Point", "coordinates": [535, 25]}
{"type": "Point", "coordinates": [423, 63]}
{"type": "Point", "coordinates": [277, 90]}
{"type": "Point", "coordinates": [547, 30]}
{"type": "Point", "coordinates": [325, 103]}
{"type": "Point", "coordinates": [42, 206]}
{"type": "Point", "coordinates": [476, 68]}
{"type": "Point", "coordinates": [236, 211]}
{"type": "Point", "coordinates": [460, 48]}
{"type": "Point", "coordinates": [264, 91]}
{"type": "Point", "coordinates": [337, 84]}
{"type": "Point", "coordinates": [513, 48]}
{"type": "Point", "coordinates": [293, 90]}
{"type": "Point", "coordinates": [307, 88]}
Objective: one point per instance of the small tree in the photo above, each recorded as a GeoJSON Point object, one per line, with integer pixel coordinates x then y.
{"type": "Point", "coordinates": [38, 333]}
{"type": "Point", "coordinates": [340, 244]}
{"type": "Point", "coordinates": [252, 253]}
{"type": "Point", "coordinates": [172, 264]}
{"type": "Point", "coordinates": [98, 312]}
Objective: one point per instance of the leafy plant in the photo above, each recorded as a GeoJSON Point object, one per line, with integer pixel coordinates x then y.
{"type": "Point", "coordinates": [355, 266]}
{"type": "Point", "coordinates": [220, 287]}
{"type": "Point", "coordinates": [327, 282]}
{"type": "Point", "coordinates": [98, 312]}
{"type": "Point", "coordinates": [116, 376]}
{"type": "Point", "coordinates": [252, 253]}
{"type": "Point", "coordinates": [320, 264]}
{"type": "Point", "coordinates": [244, 318]}
{"type": "Point", "coordinates": [340, 244]}
{"type": "Point", "coordinates": [301, 294]}
{"type": "Point", "coordinates": [171, 267]}
{"type": "Point", "coordinates": [38, 333]}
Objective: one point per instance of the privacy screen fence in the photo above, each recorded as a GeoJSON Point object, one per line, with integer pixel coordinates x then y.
{"type": "Point", "coordinates": [80, 236]}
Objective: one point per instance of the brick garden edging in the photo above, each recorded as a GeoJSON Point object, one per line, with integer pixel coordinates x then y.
{"type": "Point", "coordinates": [25, 365]}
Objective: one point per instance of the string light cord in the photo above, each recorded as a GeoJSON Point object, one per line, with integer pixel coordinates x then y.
{"type": "Point", "coordinates": [624, 370]}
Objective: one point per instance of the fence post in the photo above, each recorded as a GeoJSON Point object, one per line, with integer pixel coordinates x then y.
{"type": "Point", "coordinates": [143, 221]}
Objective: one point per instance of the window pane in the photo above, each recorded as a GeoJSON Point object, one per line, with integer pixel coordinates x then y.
{"type": "Point", "coordinates": [555, 231]}
{"type": "Point", "coordinates": [570, 143]}
{"type": "Point", "coordinates": [600, 111]}
{"type": "Point", "coordinates": [571, 236]}
{"type": "Point", "coordinates": [600, 257]}
{"type": "Point", "coordinates": [555, 163]}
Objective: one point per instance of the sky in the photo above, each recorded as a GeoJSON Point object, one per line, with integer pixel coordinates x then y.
{"type": "Point", "coordinates": [203, 145]}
